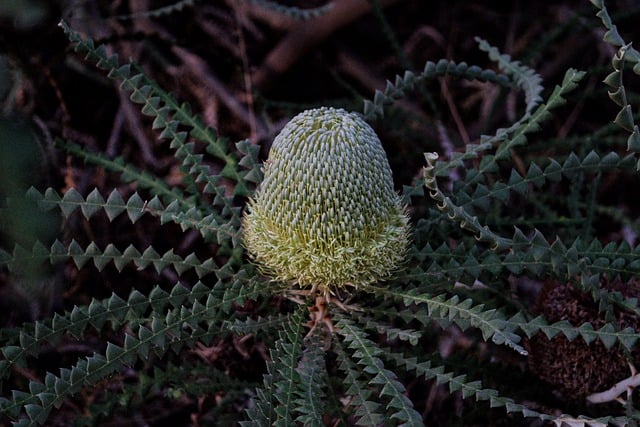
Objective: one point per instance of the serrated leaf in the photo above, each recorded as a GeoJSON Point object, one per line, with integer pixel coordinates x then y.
{"type": "Point", "coordinates": [613, 80]}
{"type": "Point", "coordinates": [624, 118]}
{"type": "Point", "coordinates": [70, 202]}
{"type": "Point", "coordinates": [115, 205]}
{"type": "Point", "coordinates": [135, 207]}
{"type": "Point", "coordinates": [633, 142]}
{"type": "Point", "coordinates": [36, 413]}
{"type": "Point", "coordinates": [113, 352]}
{"type": "Point", "coordinates": [613, 37]}
{"type": "Point", "coordinates": [77, 254]}
{"type": "Point", "coordinates": [92, 204]}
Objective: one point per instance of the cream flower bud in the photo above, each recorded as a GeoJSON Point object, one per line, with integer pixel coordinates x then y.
{"type": "Point", "coordinates": [326, 215]}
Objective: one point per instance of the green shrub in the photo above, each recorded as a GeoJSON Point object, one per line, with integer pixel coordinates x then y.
{"type": "Point", "coordinates": [497, 213]}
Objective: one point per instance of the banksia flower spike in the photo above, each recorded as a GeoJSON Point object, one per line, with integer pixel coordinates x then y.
{"type": "Point", "coordinates": [326, 215]}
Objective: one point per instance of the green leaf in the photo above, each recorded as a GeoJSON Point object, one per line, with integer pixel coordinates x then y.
{"type": "Point", "coordinates": [94, 202]}
{"type": "Point", "coordinates": [633, 143]}
{"type": "Point", "coordinates": [135, 207]}
{"type": "Point", "coordinates": [367, 352]}
{"type": "Point", "coordinates": [70, 202]}
{"type": "Point", "coordinates": [624, 119]}
{"type": "Point", "coordinates": [115, 205]}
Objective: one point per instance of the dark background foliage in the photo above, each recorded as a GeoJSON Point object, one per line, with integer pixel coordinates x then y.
{"type": "Point", "coordinates": [247, 67]}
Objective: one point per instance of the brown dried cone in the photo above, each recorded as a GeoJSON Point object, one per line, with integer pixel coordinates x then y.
{"type": "Point", "coordinates": [574, 368]}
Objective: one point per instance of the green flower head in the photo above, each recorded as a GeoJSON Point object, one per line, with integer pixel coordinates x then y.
{"type": "Point", "coordinates": [326, 215]}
